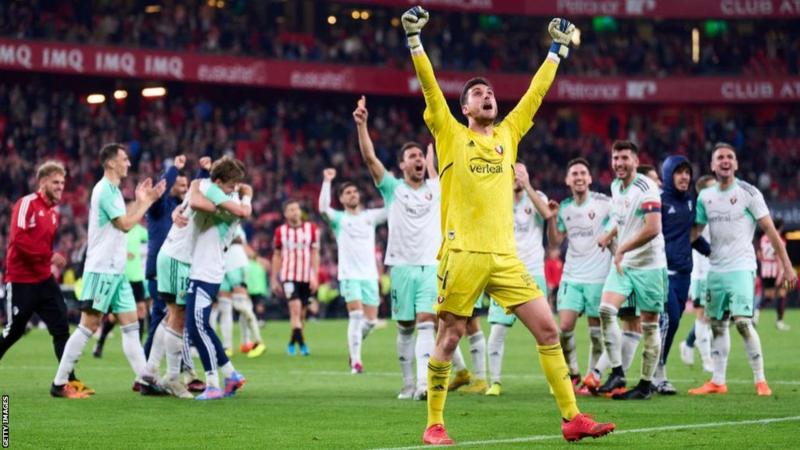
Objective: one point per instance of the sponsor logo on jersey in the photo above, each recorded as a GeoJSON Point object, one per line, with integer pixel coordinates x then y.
{"type": "Point", "coordinates": [485, 166]}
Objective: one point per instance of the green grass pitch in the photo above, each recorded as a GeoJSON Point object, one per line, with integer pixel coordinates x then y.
{"type": "Point", "coordinates": [314, 402]}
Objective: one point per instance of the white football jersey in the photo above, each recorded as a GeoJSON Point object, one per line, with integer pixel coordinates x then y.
{"type": "Point", "coordinates": [414, 221]}
{"type": "Point", "coordinates": [236, 257]}
{"type": "Point", "coordinates": [584, 224]}
{"type": "Point", "coordinates": [215, 233]}
{"type": "Point", "coordinates": [529, 234]}
{"type": "Point", "coordinates": [629, 206]}
{"type": "Point", "coordinates": [700, 262]}
{"type": "Point", "coordinates": [731, 217]}
{"type": "Point", "coordinates": [107, 250]}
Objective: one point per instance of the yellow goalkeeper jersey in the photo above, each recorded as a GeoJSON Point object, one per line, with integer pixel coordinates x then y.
{"type": "Point", "coordinates": [477, 171]}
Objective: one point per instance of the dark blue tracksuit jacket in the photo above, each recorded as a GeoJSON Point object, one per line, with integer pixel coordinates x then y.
{"type": "Point", "coordinates": [677, 219]}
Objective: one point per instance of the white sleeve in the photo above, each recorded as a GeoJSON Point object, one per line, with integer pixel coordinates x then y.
{"type": "Point", "coordinates": [379, 215]}
{"type": "Point", "coordinates": [757, 205]}
{"type": "Point", "coordinates": [325, 199]}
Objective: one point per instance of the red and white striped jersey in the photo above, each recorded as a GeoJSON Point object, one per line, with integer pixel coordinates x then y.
{"type": "Point", "coordinates": [770, 266]}
{"type": "Point", "coordinates": [295, 245]}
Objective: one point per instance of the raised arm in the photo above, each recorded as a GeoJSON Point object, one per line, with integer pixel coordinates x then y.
{"type": "Point", "coordinates": [325, 193]}
{"type": "Point", "coordinates": [521, 174]}
{"type": "Point", "coordinates": [556, 232]}
{"type": "Point", "coordinates": [375, 166]}
{"type": "Point", "coordinates": [437, 114]}
{"type": "Point", "coordinates": [521, 117]}
{"type": "Point", "coordinates": [430, 162]}
{"type": "Point", "coordinates": [146, 195]}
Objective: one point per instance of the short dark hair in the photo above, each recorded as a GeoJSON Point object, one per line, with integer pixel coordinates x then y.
{"type": "Point", "coordinates": [701, 182]}
{"type": "Point", "coordinates": [472, 82]}
{"type": "Point", "coordinates": [576, 161]}
{"type": "Point", "coordinates": [621, 144]}
{"type": "Point", "coordinates": [720, 145]}
{"type": "Point", "coordinates": [410, 144]}
{"type": "Point", "coordinates": [344, 185]}
{"type": "Point", "coordinates": [290, 201]}
{"type": "Point", "coordinates": [227, 169]}
{"type": "Point", "coordinates": [644, 169]}
{"type": "Point", "coordinates": [109, 152]}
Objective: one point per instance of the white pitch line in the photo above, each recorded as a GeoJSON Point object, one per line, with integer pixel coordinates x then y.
{"type": "Point", "coordinates": [632, 431]}
{"type": "Point", "coordinates": [515, 376]}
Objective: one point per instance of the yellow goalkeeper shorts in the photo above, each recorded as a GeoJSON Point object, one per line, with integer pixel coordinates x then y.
{"type": "Point", "coordinates": [463, 276]}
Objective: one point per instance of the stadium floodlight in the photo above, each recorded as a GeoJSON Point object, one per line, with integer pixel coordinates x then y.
{"type": "Point", "coordinates": [94, 99]}
{"type": "Point", "coordinates": [364, 15]}
{"type": "Point", "coordinates": [331, 20]}
{"type": "Point", "coordinates": [152, 9]}
{"type": "Point", "coordinates": [695, 45]}
{"type": "Point", "coordinates": [120, 94]}
{"type": "Point", "coordinates": [355, 15]}
{"type": "Point", "coordinates": [154, 92]}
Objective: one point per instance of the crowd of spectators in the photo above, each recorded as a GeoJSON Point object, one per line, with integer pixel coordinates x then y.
{"type": "Point", "coordinates": [455, 41]}
{"type": "Point", "coordinates": [287, 140]}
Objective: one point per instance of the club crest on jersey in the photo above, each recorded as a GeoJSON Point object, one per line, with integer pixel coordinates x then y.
{"type": "Point", "coordinates": [528, 210]}
{"type": "Point", "coordinates": [440, 299]}
{"type": "Point", "coordinates": [451, 235]}
{"type": "Point", "coordinates": [591, 215]}
{"type": "Point", "coordinates": [627, 203]}
{"type": "Point", "coordinates": [733, 200]}
{"type": "Point", "coordinates": [429, 196]}
{"type": "Point", "coordinates": [499, 149]}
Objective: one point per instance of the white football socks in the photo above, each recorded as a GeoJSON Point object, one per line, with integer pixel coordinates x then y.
{"type": "Point", "coordinates": [354, 335]}
{"type": "Point", "coordinates": [225, 311]}
{"type": "Point", "coordinates": [477, 348]}
{"type": "Point", "coordinates": [612, 334]}
{"type": "Point", "coordinates": [422, 351]}
{"type": "Point", "coordinates": [405, 353]}
{"type": "Point", "coordinates": [720, 348]}
{"type": "Point", "coordinates": [72, 352]}
{"type": "Point", "coordinates": [752, 344]}
{"type": "Point", "coordinates": [132, 347]}
{"type": "Point", "coordinates": [570, 354]}
{"type": "Point", "coordinates": [496, 347]}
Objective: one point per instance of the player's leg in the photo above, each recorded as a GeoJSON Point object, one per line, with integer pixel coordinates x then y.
{"type": "Point", "coordinates": [90, 322]}
{"type": "Point", "coordinates": [401, 298]}
{"type": "Point", "coordinates": [141, 304]}
{"type": "Point", "coordinates": [462, 277]}
{"type": "Point", "coordinates": [225, 314]}
{"type": "Point", "coordinates": [158, 310]}
{"type": "Point", "coordinates": [108, 323]}
{"type": "Point", "coordinates": [537, 317]}
{"type": "Point", "coordinates": [173, 335]}
{"type": "Point", "coordinates": [650, 290]}
{"type": "Point", "coordinates": [212, 353]}
{"type": "Point", "coordinates": [496, 348]}
{"type": "Point", "coordinates": [50, 307]}
{"type": "Point", "coordinates": [616, 291]}
{"type": "Point", "coordinates": [477, 350]}
{"type": "Point", "coordinates": [677, 294]}
{"type": "Point", "coordinates": [20, 305]}
{"type": "Point", "coordinates": [463, 376]}
{"type": "Point", "coordinates": [780, 307]}
{"type": "Point", "coordinates": [501, 324]}
{"type": "Point", "coordinates": [251, 336]}
{"type": "Point", "coordinates": [371, 301]}
{"type": "Point", "coordinates": [307, 303]}
{"type": "Point", "coordinates": [423, 298]}
{"type": "Point", "coordinates": [509, 284]}
{"type": "Point", "coordinates": [717, 307]}
{"type": "Point", "coordinates": [743, 284]}
{"type": "Point", "coordinates": [570, 304]}
{"type": "Point", "coordinates": [351, 291]}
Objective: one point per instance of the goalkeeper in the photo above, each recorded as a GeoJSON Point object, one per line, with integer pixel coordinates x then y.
{"type": "Point", "coordinates": [476, 169]}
